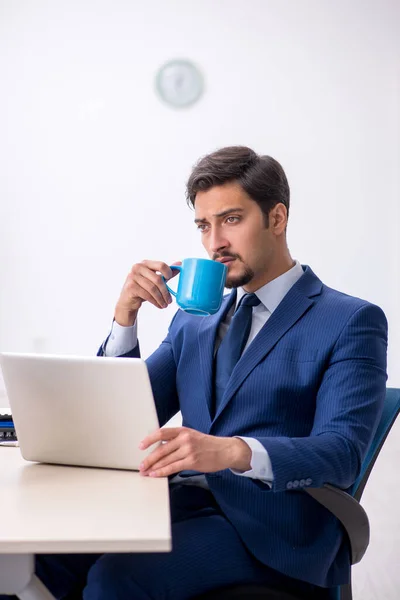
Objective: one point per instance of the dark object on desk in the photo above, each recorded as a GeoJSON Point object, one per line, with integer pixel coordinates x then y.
{"type": "Point", "coordinates": [7, 429]}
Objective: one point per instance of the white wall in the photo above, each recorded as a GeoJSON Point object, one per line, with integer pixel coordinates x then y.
{"type": "Point", "coordinates": [93, 165]}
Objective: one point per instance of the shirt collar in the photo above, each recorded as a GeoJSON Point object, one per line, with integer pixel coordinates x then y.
{"type": "Point", "coordinates": [272, 293]}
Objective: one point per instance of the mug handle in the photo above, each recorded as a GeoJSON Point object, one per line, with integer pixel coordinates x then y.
{"type": "Point", "coordinates": [172, 267]}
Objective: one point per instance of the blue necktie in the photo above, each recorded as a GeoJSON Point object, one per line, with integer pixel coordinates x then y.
{"type": "Point", "coordinates": [233, 345]}
{"type": "Point", "coordinates": [230, 351]}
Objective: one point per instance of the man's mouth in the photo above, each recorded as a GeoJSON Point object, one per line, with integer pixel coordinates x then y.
{"type": "Point", "coordinates": [226, 259]}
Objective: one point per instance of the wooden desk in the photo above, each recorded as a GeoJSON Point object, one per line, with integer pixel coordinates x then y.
{"type": "Point", "coordinates": [48, 508]}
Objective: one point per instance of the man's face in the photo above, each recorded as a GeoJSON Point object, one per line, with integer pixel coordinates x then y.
{"type": "Point", "coordinates": [233, 231]}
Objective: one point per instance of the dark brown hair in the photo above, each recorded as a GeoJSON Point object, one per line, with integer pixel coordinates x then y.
{"type": "Point", "coordinates": [261, 177]}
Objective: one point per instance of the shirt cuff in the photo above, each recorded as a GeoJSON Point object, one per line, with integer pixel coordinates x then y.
{"type": "Point", "coordinates": [121, 340]}
{"type": "Point", "coordinates": [261, 467]}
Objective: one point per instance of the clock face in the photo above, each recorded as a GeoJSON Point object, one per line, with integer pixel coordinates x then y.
{"type": "Point", "coordinates": [179, 83]}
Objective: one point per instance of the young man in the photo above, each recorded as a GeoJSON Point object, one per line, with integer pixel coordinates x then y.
{"type": "Point", "coordinates": [281, 390]}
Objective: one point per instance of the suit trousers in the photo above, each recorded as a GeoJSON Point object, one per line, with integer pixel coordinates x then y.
{"type": "Point", "coordinates": [207, 553]}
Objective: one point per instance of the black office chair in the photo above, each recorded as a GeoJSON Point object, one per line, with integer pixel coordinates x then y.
{"type": "Point", "coordinates": [345, 506]}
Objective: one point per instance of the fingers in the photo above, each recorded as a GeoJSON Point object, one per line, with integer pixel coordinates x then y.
{"type": "Point", "coordinates": [170, 457]}
{"type": "Point", "coordinates": [171, 469]}
{"type": "Point", "coordinates": [160, 435]}
{"type": "Point", "coordinates": [152, 288]}
{"type": "Point", "coordinates": [156, 265]}
{"type": "Point", "coordinates": [143, 283]}
{"type": "Point", "coordinates": [147, 275]}
{"type": "Point", "coordinates": [177, 454]}
{"type": "Point", "coordinates": [175, 271]}
{"type": "Point", "coordinates": [159, 454]}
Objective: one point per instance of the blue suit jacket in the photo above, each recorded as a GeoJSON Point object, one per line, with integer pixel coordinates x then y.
{"type": "Point", "coordinates": [310, 388]}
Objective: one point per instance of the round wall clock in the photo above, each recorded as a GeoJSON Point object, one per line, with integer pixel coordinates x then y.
{"type": "Point", "coordinates": [179, 83]}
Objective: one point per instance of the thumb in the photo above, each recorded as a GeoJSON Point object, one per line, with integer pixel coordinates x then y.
{"type": "Point", "coordinates": [175, 271]}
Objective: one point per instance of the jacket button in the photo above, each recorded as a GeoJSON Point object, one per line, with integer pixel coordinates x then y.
{"type": "Point", "coordinates": [308, 481]}
{"type": "Point", "coordinates": [289, 485]}
{"type": "Point", "coordinates": [302, 482]}
{"type": "Point", "coordinates": [295, 483]}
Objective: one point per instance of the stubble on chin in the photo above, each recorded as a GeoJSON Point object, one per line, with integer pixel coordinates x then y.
{"type": "Point", "coordinates": [241, 279]}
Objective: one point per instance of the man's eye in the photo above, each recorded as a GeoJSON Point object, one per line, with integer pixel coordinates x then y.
{"type": "Point", "coordinates": [232, 219]}
{"type": "Point", "coordinates": [201, 227]}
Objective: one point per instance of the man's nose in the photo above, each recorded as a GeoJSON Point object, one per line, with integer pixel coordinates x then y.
{"type": "Point", "coordinates": [218, 242]}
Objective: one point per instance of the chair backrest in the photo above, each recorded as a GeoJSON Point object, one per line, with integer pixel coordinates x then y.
{"type": "Point", "coordinates": [391, 409]}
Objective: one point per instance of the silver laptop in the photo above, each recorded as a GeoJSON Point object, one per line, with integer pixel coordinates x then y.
{"type": "Point", "coordinates": [87, 411]}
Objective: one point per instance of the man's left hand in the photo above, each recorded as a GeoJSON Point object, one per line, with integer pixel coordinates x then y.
{"type": "Point", "coordinates": [188, 449]}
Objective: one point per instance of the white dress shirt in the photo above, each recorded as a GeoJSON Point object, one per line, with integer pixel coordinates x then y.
{"type": "Point", "coordinates": [124, 339]}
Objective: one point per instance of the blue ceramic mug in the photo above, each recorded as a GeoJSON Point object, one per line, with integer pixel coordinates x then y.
{"type": "Point", "coordinates": [200, 286]}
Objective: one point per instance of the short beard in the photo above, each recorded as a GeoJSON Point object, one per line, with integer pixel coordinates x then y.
{"type": "Point", "coordinates": [240, 280]}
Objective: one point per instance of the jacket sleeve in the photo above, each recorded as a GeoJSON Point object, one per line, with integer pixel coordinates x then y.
{"type": "Point", "coordinates": [133, 353]}
{"type": "Point", "coordinates": [162, 372]}
{"type": "Point", "coordinates": [348, 407]}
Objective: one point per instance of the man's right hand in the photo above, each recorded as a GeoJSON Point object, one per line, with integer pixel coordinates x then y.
{"type": "Point", "coordinates": [144, 282]}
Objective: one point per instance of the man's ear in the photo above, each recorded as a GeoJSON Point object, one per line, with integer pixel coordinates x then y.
{"type": "Point", "coordinates": [278, 219]}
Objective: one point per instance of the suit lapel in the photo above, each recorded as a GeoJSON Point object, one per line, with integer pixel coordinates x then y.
{"type": "Point", "coordinates": [206, 338]}
{"type": "Point", "coordinates": [297, 301]}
